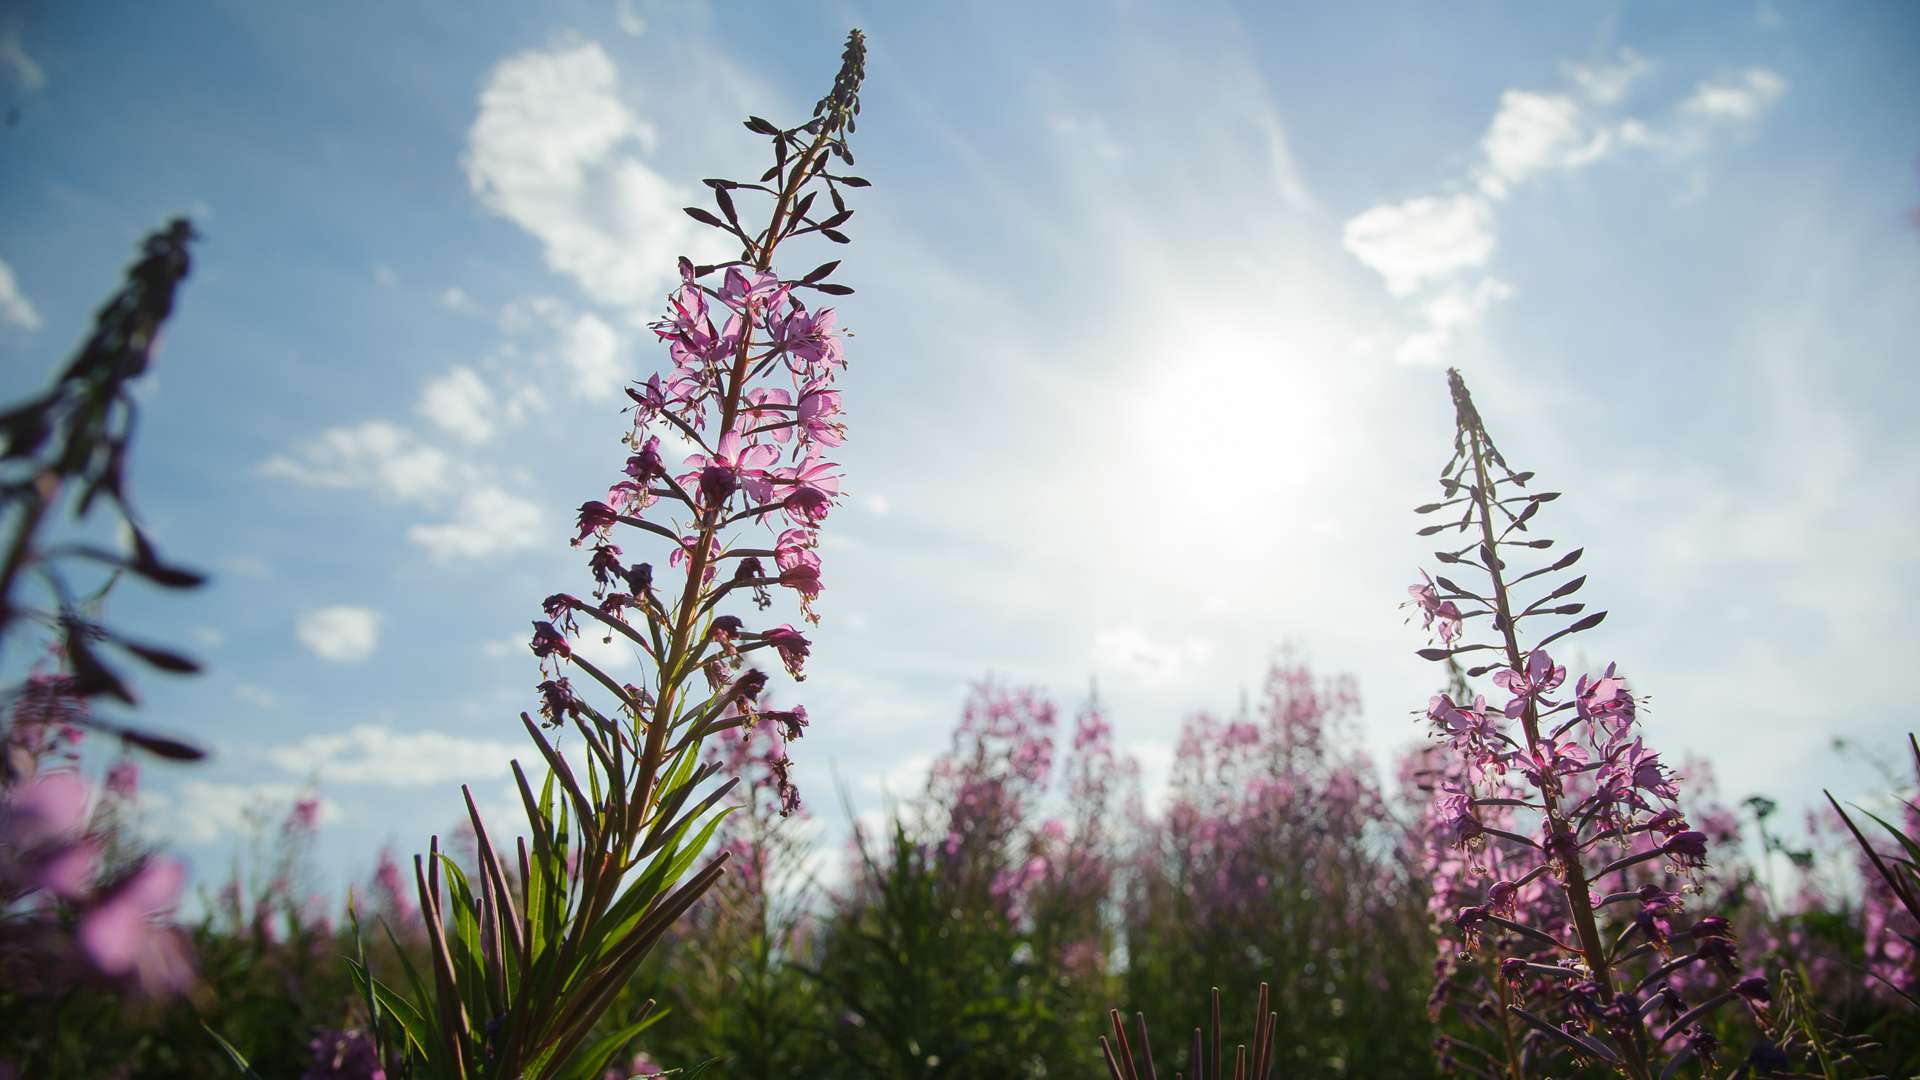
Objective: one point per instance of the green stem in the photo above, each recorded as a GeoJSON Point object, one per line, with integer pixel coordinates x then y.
{"type": "Point", "coordinates": [1579, 895]}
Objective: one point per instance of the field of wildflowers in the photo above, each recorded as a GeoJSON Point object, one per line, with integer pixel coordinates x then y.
{"type": "Point", "coordinates": [1530, 890]}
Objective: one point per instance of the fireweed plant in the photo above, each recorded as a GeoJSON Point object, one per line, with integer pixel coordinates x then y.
{"type": "Point", "coordinates": [72, 443]}
{"type": "Point", "coordinates": [1278, 870]}
{"type": "Point", "coordinates": [1890, 902]}
{"type": "Point", "coordinates": [81, 910]}
{"type": "Point", "coordinates": [521, 977]}
{"type": "Point", "coordinates": [1206, 1057]}
{"type": "Point", "coordinates": [738, 957]}
{"type": "Point", "coordinates": [1556, 803]}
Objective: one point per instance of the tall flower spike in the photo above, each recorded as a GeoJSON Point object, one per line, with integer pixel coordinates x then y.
{"type": "Point", "coordinates": [534, 964]}
{"type": "Point", "coordinates": [75, 439]}
{"type": "Point", "coordinates": [1557, 800]}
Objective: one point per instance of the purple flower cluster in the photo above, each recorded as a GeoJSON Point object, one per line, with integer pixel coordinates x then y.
{"type": "Point", "coordinates": [1559, 854]}
{"type": "Point", "coordinates": [345, 1055]}
{"type": "Point", "coordinates": [51, 867]}
{"type": "Point", "coordinates": [751, 404]}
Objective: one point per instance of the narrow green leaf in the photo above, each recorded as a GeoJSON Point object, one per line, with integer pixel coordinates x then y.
{"type": "Point", "coordinates": [239, 1060]}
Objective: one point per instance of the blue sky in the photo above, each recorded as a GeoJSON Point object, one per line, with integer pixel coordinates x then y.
{"type": "Point", "coordinates": [1152, 317]}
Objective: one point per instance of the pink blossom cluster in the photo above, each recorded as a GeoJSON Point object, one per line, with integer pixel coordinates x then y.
{"type": "Point", "coordinates": [1554, 800]}
{"type": "Point", "coordinates": [1892, 933]}
{"type": "Point", "coordinates": [1258, 802]}
{"type": "Point", "coordinates": [51, 865]}
{"type": "Point", "coordinates": [992, 779]}
{"type": "Point", "coordinates": [750, 405]}
{"type": "Point", "coordinates": [1021, 813]}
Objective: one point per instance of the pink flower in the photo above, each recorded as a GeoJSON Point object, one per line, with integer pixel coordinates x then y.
{"type": "Point", "coordinates": [767, 407]}
{"type": "Point", "coordinates": [557, 701]}
{"type": "Point", "coordinates": [648, 401]}
{"type": "Point", "coordinates": [65, 870]}
{"type": "Point", "coordinates": [305, 816]}
{"type": "Point", "coordinates": [595, 517]}
{"type": "Point", "coordinates": [808, 340]}
{"type": "Point", "coordinates": [1643, 767]}
{"type": "Point", "coordinates": [816, 412]}
{"type": "Point", "coordinates": [1426, 596]}
{"type": "Point", "coordinates": [793, 722]}
{"type": "Point", "coordinates": [792, 646]}
{"type": "Point", "coordinates": [120, 936]}
{"type": "Point", "coordinates": [759, 292]}
{"type": "Point", "coordinates": [51, 806]}
{"type": "Point", "coordinates": [1605, 698]}
{"type": "Point", "coordinates": [645, 465]}
{"type": "Point", "coordinates": [548, 642]}
{"type": "Point", "coordinates": [803, 579]}
{"type": "Point", "coordinates": [391, 886]}
{"type": "Point", "coordinates": [1539, 678]}
{"type": "Point", "coordinates": [1688, 850]}
{"type": "Point", "coordinates": [732, 467]}
{"type": "Point", "coordinates": [813, 487]}
{"type": "Point", "coordinates": [684, 554]}
{"type": "Point", "coordinates": [605, 565]}
{"type": "Point", "coordinates": [123, 779]}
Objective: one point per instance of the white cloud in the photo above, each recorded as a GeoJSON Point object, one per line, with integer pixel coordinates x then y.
{"type": "Point", "coordinates": [386, 276]}
{"type": "Point", "coordinates": [489, 521]}
{"type": "Point", "coordinates": [203, 810]}
{"type": "Point", "coordinates": [585, 346]}
{"type": "Point", "coordinates": [374, 454]}
{"type": "Point", "coordinates": [341, 634]}
{"type": "Point", "coordinates": [903, 779]}
{"type": "Point", "coordinates": [13, 57]}
{"type": "Point", "coordinates": [500, 648]}
{"type": "Point", "coordinates": [460, 402]}
{"type": "Point", "coordinates": [550, 150]}
{"type": "Point", "coordinates": [1459, 306]}
{"type": "Point", "coordinates": [1456, 308]}
{"type": "Point", "coordinates": [370, 754]}
{"type": "Point", "coordinates": [1608, 84]}
{"type": "Point", "coordinates": [629, 18]}
{"type": "Point", "coordinates": [257, 696]}
{"type": "Point", "coordinates": [878, 505]}
{"type": "Point", "coordinates": [1533, 133]}
{"type": "Point", "coordinates": [15, 309]}
{"type": "Point", "coordinates": [1134, 653]}
{"type": "Point", "coordinates": [250, 566]}
{"type": "Point", "coordinates": [455, 298]}
{"type": "Point", "coordinates": [1088, 132]}
{"type": "Point", "coordinates": [1432, 243]}
{"type": "Point", "coordinates": [591, 350]}
{"type": "Point", "coordinates": [1422, 239]}
{"type": "Point", "coordinates": [1741, 96]}
{"type": "Point", "coordinates": [607, 651]}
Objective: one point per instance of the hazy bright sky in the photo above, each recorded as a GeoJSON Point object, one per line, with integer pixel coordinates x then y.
{"type": "Point", "coordinates": [1154, 307]}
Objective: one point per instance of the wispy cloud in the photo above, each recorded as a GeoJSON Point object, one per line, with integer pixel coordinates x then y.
{"type": "Point", "coordinates": [1740, 96]}
{"type": "Point", "coordinates": [374, 455]}
{"type": "Point", "coordinates": [460, 403]}
{"type": "Point", "coordinates": [202, 811]}
{"type": "Point", "coordinates": [488, 521]}
{"type": "Point", "coordinates": [556, 150]}
{"type": "Point", "coordinates": [381, 756]}
{"type": "Point", "coordinates": [1609, 82]}
{"type": "Point", "coordinates": [1422, 240]}
{"type": "Point", "coordinates": [24, 69]}
{"type": "Point", "coordinates": [1437, 244]}
{"type": "Point", "coordinates": [15, 308]}
{"type": "Point", "coordinates": [341, 634]}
